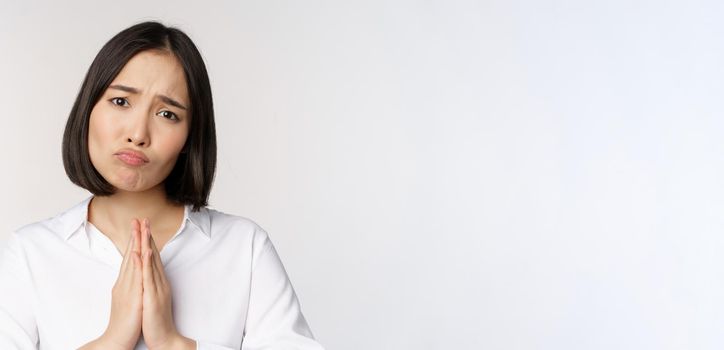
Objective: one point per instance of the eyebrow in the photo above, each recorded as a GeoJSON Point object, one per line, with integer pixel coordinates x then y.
{"type": "Point", "coordinates": [163, 98]}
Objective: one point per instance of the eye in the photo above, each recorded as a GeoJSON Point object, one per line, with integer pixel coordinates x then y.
{"type": "Point", "coordinates": [124, 102]}
{"type": "Point", "coordinates": [169, 115]}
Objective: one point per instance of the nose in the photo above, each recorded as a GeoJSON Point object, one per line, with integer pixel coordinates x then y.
{"type": "Point", "coordinates": [138, 133]}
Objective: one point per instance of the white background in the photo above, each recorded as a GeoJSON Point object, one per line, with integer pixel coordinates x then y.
{"type": "Point", "coordinates": [435, 174]}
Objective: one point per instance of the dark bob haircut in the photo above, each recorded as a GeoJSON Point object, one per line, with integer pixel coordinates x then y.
{"type": "Point", "coordinates": [193, 174]}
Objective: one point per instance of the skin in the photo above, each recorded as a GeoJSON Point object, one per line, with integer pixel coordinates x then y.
{"type": "Point", "coordinates": [142, 121]}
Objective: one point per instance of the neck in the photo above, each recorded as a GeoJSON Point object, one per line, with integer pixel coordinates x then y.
{"type": "Point", "coordinates": [115, 213]}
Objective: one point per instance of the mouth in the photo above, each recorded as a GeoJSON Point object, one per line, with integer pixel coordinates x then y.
{"type": "Point", "coordinates": [131, 158]}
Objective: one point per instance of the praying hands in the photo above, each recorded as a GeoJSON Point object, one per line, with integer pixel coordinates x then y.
{"type": "Point", "coordinates": [141, 300]}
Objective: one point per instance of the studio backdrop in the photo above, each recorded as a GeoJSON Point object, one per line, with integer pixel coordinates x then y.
{"type": "Point", "coordinates": [435, 174]}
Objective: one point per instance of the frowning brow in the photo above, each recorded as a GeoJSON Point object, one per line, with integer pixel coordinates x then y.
{"type": "Point", "coordinates": [163, 98]}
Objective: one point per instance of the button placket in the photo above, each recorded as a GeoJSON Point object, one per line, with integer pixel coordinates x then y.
{"type": "Point", "coordinates": [102, 247]}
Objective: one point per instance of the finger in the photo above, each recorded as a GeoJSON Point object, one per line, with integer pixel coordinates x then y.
{"type": "Point", "coordinates": [126, 258]}
{"type": "Point", "coordinates": [131, 263]}
{"type": "Point", "coordinates": [156, 254]}
{"type": "Point", "coordinates": [131, 267]}
{"type": "Point", "coordinates": [152, 242]}
{"type": "Point", "coordinates": [137, 268]}
{"type": "Point", "coordinates": [137, 263]}
{"type": "Point", "coordinates": [136, 230]}
{"type": "Point", "coordinates": [156, 267]}
{"type": "Point", "coordinates": [152, 245]}
{"type": "Point", "coordinates": [148, 281]}
{"type": "Point", "coordinates": [137, 274]}
{"type": "Point", "coordinates": [154, 272]}
{"type": "Point", "coordinates": [157, 272]}
{"type": "Point", "coordinates": [144, 237]}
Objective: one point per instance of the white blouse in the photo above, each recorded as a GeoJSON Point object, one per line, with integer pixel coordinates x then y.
{"type": "Point", "coordinates": [229, 288]}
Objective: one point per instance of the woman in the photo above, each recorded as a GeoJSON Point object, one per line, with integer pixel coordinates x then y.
{"type": "Point", "coordinates": [142, 263]}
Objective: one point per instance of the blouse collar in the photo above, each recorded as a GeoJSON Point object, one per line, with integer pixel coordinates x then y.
{"type": "Point", "coordinates": [76, 216]}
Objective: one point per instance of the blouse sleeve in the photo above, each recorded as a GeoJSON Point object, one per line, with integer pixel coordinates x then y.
{"type": "Point", "coordinates": [18, 329]}
{"type": "Point", "coordinates": [274, 319]}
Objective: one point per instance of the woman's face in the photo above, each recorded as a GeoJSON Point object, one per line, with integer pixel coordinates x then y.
{"type": "Point", "coordinates": [139, 125]}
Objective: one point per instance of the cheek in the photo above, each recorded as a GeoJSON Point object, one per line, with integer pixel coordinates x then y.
{"type": "Point", "coordinates": [103, 124]}
{"type": "Point", "coordinates": [95, 135]}
{"type": "Point", "coordinates": [172, 146]}
{"type": "Point", "coordinates": [100, 132]}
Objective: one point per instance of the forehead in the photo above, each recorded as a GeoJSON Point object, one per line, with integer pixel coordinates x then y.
{"type": "Point", "coordinates": [155, 72]}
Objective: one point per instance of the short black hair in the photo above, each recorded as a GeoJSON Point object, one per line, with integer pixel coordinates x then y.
{"type": "Point", "coordinates": [193, 174]}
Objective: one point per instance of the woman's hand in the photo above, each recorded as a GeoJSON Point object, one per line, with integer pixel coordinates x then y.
{"type": "Point", "coordinates": [125, 323]}
{"type": "Point", "coordinates": [159, 330]}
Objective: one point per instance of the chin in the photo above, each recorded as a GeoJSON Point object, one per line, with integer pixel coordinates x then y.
{"type": "Point", "coordinates": [124, 187]}
{"type": "Point", "coordinates": [128, 182]}
{"type": "Point", "coordinates": [131, 180]}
